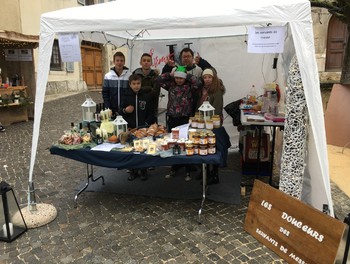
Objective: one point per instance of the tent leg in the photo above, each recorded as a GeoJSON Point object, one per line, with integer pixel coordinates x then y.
{"type": "Point", "coordinates": [31, 197]}
{"type": "Point", "coordinates": [346, 251]}
{"type": "Point", "coordinates": [36, 215]}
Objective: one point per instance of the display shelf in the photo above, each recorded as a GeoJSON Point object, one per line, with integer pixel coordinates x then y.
{"type": "Point", "coordinates": [13, 112]}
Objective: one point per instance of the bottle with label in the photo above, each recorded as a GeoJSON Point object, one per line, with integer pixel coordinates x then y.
{"type": "Point", "coordinates": [273, 104]}
{"type": "Point", "coordinates": [73, 128]}
{"type": "Point", "coordinates": [252, 95]}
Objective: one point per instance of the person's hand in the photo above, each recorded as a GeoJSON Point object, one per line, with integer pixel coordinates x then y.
{"type": "Point", "coordinates": [129, 109]}
{"type": "Point", "coordinates": [170, 62]}
{"type": "Point", "coordinates": [156, 71]}
{"type": "Point", "coordinates": [197, 58]}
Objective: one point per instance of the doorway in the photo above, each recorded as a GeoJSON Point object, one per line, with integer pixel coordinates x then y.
{"type": "Point", "coordinates": [92, 67]}
{"type": "Point", "coordinates": [336, 44]}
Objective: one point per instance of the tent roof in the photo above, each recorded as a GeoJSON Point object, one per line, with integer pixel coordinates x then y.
{"type": "Point", "coordinates": [187, 18]}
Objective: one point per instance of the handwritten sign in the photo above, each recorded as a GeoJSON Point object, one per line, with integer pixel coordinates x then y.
{"type": "Point", "coordinates": [161, 51]}
{"type": "Point", "coordinates": [266, 39]}
{"type": "Point", "coordinates": [292, 229]}
{"type": "Point", "coordinates": [69, 47]}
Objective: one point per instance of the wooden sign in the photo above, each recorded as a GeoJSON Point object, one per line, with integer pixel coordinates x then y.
{"type": "Point", "coordinates": [295, 231]}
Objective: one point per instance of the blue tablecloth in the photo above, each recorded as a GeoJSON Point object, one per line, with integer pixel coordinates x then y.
{"type": "Point", "coordinates": [122, 160]}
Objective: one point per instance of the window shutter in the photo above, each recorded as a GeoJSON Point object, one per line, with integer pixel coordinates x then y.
{"type": "Point", "coordinates": [70, 66]}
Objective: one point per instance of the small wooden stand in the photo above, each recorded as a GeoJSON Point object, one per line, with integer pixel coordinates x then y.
{"type": "Point", "coordinates": [13, 112]}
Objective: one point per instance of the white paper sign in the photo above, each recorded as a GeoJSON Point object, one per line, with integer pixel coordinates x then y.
{"type": "Point", "coordinates": [183, 130]}
{"type": "Point", "coordinates": [266, 39]}
{"type": "Point", "coordinates": [69, 47]}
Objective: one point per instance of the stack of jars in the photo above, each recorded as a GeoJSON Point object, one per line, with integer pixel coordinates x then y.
{"type": "Point", "coordinates": [201, 143]}
{"type": "Point", "coordinates": [197, 121]}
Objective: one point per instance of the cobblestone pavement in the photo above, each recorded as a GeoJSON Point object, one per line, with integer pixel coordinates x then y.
{"type": "Point", "coordinates": [114, 228]}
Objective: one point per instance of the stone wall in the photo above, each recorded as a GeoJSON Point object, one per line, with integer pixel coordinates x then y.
{"type": "Point", "coordinates": [61, 87]}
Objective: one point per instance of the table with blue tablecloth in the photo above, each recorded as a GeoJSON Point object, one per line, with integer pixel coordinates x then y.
{"type": "Point", "coordinates": [126, 160]}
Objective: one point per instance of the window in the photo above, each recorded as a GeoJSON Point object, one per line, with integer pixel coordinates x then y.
{"type": "Point", "coordinates": [56, 62]}
{"type": "Point", "coordinates": [89, 2]}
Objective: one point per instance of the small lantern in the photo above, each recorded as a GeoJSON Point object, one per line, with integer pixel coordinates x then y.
{"type": "Point", "coordinates": [206, 110]}
{"type": "Point", "coordinates": [12, 223]}
{"type": "Point", "coordinates": [89, 109]}
{"type": "Point", "coordinates": [120, 125]}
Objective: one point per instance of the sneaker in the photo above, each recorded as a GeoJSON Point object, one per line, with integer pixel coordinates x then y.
{"type": "Point", "coordinates": [170, 175]}
{"type": "Point", "coordinates": [188, 177]}
{"type": "Point", "coordinates": [144, 175]}
{"type": "Point", "coordinates": [132, 175]}
{"type": "Point", "coordinates": [2, 129]}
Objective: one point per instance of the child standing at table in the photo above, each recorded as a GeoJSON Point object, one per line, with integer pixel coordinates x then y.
{"type": "Point", "coordinates": [137, 109]}
{"type": "Point", "coordinates": [181, 88]}
{"type": "Point", "coordinates": [213, 91]}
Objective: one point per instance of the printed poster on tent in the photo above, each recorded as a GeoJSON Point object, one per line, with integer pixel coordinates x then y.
{"type": "Point", "coordinates": [69, 47]}
{"type": "Point", "coordinates": [266, 39]}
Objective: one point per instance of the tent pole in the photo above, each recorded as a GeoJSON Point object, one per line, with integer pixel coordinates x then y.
{"type": "Point", "coordinates": [31, 197]}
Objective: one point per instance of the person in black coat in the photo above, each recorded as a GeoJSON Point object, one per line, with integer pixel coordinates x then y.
{"type": "Point", "coordinates": [137, 109]}
{"type": "Point", "coordinates": [136, 104]}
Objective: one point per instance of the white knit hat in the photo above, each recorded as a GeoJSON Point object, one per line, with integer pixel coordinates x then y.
{"type": "Point", "coordinates": [208, 71]}
{"type": "Point", "coordinates": [180, 72]}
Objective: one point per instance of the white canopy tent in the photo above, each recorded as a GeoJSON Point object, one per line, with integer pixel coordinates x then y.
{"type": "Point", "coordinates": [221, 31]}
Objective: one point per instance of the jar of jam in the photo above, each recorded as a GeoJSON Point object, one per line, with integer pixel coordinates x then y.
{"type": "Point", "coordinates": [195, 138]}
{"type": "Point", "coordinates": [194, 123]}
{"type": "Point", "coordinates": [175, 132]}
{"type": "Point", "coordinates": [171, 143]}
{"type": "Point", "coordinates": [209, 124]}
{"type": "Point", "coordinates": [191, 132]}
{"type": "Point", "coordinates": [196, 149]}
{"type": "Point", "coordinates": [189, 148]}
{"type": "Point", "coordinates": [181, 143]}
{"type": "Point", "coordinates": [211, 149]}
{"type": "Point", "coordinates": [211, 138]}
{"type": "Point", "coordinates": [165, 145]}
{"type": "Point", "coordinates": [200, 123]}
{"type": "Point", "coordinates": [216, 121]}
{"type": "Point", "coordinates": [203, 149]}
{"type": "Point", "coordinates": [203, 139]}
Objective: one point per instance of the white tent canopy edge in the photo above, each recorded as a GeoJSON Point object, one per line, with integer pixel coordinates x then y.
{"type": "Point", "coordinates": [121, 16]}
